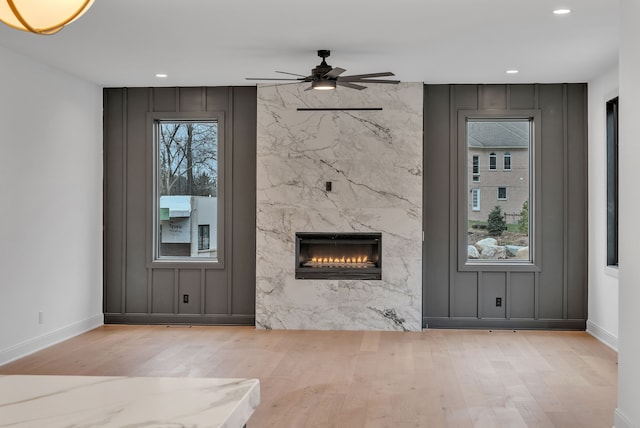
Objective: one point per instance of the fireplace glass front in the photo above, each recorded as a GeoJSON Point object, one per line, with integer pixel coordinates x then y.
{"type": "Point", "coordinates": [338, 255]}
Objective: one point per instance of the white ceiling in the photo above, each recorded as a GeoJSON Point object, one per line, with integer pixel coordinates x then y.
{"type": "Point", "coordinates": [206, 42]}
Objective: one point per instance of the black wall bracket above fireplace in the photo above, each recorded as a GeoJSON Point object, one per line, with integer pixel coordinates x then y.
{"type": "Point", "coordinates": [338, 255]}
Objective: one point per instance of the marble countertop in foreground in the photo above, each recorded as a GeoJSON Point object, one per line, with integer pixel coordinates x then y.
{"type": "Point", "coordinates": [99, 401]}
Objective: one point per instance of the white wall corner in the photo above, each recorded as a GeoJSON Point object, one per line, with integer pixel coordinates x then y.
{"type": "Point", "coordinates": [41, 342]}
{"type": "Point", "coordinates": [602, 335]}
{"type": "Point", "coordinates": [620, 421]}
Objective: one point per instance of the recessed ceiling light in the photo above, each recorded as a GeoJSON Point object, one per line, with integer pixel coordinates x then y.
{"type": "Point", "coordinates": [512, 71]}
{"type": "Point", "coordinates": [162, 75]}
{"type": "Point", "coordinates": [562, 11]}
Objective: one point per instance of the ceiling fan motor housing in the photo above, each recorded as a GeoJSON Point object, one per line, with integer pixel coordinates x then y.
{"type": "Point", "coordinates": [319, 71]}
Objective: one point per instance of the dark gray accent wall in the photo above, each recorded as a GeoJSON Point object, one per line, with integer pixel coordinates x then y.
{"type": "Point", "coordinates": [136, 290]}
{"type": "Point", "coordinates": [551, 294]}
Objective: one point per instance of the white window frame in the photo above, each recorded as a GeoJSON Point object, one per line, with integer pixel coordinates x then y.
{"type": "Point", "coordinates": [506, 156]}
{"type": "Point", "coordinates": [202, 239]}
{"type": "Point", "coordinates": [493, 157]}
{"type": "Point", "coordinates": [475, 199]}
{"type": "Point", "coordinates": [475, 168]}
{"type": "Point", "coordinates": [498, 193]}
{"type": "Point", "coordinates": [465, 186]}
{"type": "Point", "coordinates": [154, 119]}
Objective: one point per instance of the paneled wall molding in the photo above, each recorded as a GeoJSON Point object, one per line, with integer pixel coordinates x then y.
{"type": "Point", "coordinates": [550, 293]}
{"type": "Point", "coordinates": [552, 296]}
{"type": "Point", "coordinates": [137, 288]}
{"type": "Point", "coordinates": [503, 324]}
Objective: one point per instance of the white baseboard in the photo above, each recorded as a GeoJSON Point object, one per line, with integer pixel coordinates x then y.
{"type": "Point", "coordinates": [37, 343]}
{"type": "Point", "coordinates": [620, 420]}
{"type": "Point", "coordinates": [602, 335]}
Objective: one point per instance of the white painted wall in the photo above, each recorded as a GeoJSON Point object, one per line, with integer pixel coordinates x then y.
{"type": "Point", "coordinates": [628, 411]}
{"type": "Point", "coordinates": [603, 280]}
{"type": "Point", "coordinates": [50, 206]}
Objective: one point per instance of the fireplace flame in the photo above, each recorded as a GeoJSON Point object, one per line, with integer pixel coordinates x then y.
{"type": "Point", "coordinates": [355, 261]}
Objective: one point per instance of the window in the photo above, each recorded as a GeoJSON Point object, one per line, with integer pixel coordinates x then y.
{"type": "Point", "coordinates": [509, 221]}
{"type": "Point", "coordinates": [186, 171]}
{"type": "Point", "coordinates": [476, 168]}
{"type": "Point", "coordinates": [502, 193]}
{"type": "Point", "coordinates": [203, 237]}
{"type": "Point", "coordinates": [506, 161]}
{"type": "Point", "coordinates": [475, 199]}
{"type": "Point", "coordinates": [612, 182]}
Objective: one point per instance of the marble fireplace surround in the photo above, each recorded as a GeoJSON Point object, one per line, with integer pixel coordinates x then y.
{"type": "Point", "coordinates": [374, 161]}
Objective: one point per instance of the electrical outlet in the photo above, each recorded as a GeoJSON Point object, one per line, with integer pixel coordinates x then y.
{"type": "Point", "coordinates": [185, 298]}
{"type": "Point", "coordinates": [498, 301]}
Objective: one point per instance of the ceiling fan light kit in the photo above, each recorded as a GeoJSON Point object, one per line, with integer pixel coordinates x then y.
{"type": "Point", "coordinates": [323, 85]}
{"type": "Point", "coordinates": [326, 77]}
{"type": "Point", "coordinates": [42, 16]}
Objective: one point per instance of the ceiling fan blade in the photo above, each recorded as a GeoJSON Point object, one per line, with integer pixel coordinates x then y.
{"type": "Point", "coordinates": [309, 88]}
{"type": "Point", "coordinates": [350, 85]}
{"type": "Point", "coordinates": [370, 81]}
{"type": "Point", "coordinates": [279, 84]}
{"type": "Point", "coordinates": [364, 76]}
{"type": "Point", "coordinates": [269, 78]}
{"type": "Point", "coordinates": [291, 74]}
{"type": "Point", "coordinates": [335, 72]}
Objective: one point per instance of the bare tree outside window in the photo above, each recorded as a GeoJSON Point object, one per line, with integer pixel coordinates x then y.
{"type": "Point", "coordinates": [187, 187]}
{"type": "Point", "coordinates": [188, 159]}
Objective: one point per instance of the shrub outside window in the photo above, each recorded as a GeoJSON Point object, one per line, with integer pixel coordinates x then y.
{"type": "Point", "coordinates": [499, 232]}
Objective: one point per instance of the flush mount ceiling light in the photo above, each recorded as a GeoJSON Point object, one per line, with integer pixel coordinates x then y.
{"type": "Point", "coordinates": [562, 11]}
{"type": "Point", "coordinates": [512, 71]}
{"type": "Point", "coordinates": [42, 16]}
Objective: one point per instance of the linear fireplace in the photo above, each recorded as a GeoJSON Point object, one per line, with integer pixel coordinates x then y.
{"type": "Point", "coordinates": [338, 255]}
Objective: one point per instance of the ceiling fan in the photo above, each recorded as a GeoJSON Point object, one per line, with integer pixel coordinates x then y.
{"type": "Point", "coordinates": [324, 76]}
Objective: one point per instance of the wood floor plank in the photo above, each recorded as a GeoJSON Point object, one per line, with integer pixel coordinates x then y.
{"type": "Point", "coordinates": [335, 379]}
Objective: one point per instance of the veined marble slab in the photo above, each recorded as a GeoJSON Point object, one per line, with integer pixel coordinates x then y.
{"type": "Point", "coordinates": [105, 401]}
{"type": "Point", "coordinates": [374, 161]}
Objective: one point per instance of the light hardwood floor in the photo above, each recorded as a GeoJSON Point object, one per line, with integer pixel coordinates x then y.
{"type": "Point", "coordinates": [434, 378]}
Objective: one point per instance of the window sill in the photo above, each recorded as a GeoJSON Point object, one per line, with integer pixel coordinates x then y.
{"type": "Point", "coordinates": [612, 271]}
